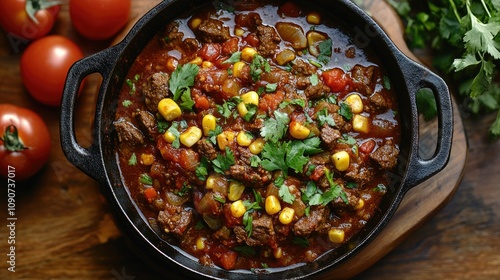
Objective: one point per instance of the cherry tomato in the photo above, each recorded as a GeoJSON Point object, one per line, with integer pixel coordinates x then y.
{"type": "Point", "coordinates": [99, 20]}
{"type": "Point", "coordinates": [24, 143]}
{"type": "Point", "coordinates": [28, 19]}
{"type": "Point", "coordinates": [44, 67]}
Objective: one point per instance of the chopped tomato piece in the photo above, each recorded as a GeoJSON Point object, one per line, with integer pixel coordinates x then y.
{"type": "Point", "coordinates": [336, 79]}
{"type": "Point", "coordinates": [150, 194]}
{"type": "Point", "coordinates": [269, 102]}
{"type": "Point", "coordinates": [202, 103]}
{"type": "Point", "coordinates": [210, 52]}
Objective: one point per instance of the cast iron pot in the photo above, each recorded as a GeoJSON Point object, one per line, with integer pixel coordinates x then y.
{"type": "Point", "coordinates": [99, 160]}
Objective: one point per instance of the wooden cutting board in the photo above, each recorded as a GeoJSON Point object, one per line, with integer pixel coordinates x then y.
{"type": "Point", "coordinates": [65, 228]}
{"type": "Point", "coordinates": [421, 202]}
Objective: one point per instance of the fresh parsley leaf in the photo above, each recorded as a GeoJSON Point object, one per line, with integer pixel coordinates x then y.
{"type": "Point", "coordinates": [271, 87]}
{"type": "Point", "coordinates": [259, 66]}
{"type": "Point", "coordinates": [252, 109]}
{"type": "Point", "coordinates": [226, 109]}
{"type": "Point", "coordinates": [212, 134]}
{"type": "Point", "coordinates": [127, 103]}
{"type": "Point", "coordinates": [325, 117]}
{"type": "Point", "coordinates": [235, 57]}
{"type": "Point", "coordinates": [255, 161]}
{"type": "Point", "coordinates": [273, 156]}
{"type": "Point", "coordinates": [223, 162]}
{"type": "Point", "coordinates": [300, 102]}
{"type": "Point", "coordinates": [285, 194]}
{"type": "Point", "coordinates": [187, 102]}
{"type": "Point", "coordinates": [345, 111]}
{"type": "Point", "coordinates": [162, 126]}
{"type": "Point", "coordinates": [314, 79]}
{"type": "Point", "coordinates": [173, 129]}
{"type": "Point", "coordinates": [182, 78]}
{"type": "Point", "coordinates": [132, 160]}
{"type": "Point", "coordinates": [325, 51]}
{"type": "Point", "coordinates": [202, 169]}
{"type": "Point", "coordinates": [335, 190]}
{"type": "Point", "coordinates": [275, 128]}
{"type": "Point", "coordinates": [146, 179]}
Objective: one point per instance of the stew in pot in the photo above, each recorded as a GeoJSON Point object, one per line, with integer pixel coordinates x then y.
{"type": "Point", "coordinates": [256, 135]}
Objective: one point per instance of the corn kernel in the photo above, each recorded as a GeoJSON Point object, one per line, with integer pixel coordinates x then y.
{"type": "Point", "coordinates": [235, 190]}
{"type": "Point", "coordinates": [189, 137]}
{"type": "Point", "coordinates": [238, 209]}
{"type": "Point", "coordinates": [250, 97]}
{"type": "Point", "coordinates": [336, 235]}
{"type": "Point", "coordinates": [207, 64]}
{"type": "Point", "coordinates": [298, 131]}
{"type": "Point", "coordinates": [239, 32]}
{"type": "Point", "coordinates": [224, 139]}
{"type": "Point", "coordinates": [244, 139]}
{"type": "Point", "coordinates": [242, 109]}
{"type": "Point", "coordinates": [248, 53]}
{"type": "Point", "coordinates": [169, 109]}
{"type": "Point", "coordinates": [169, 137]}
{"type": "Point", "coordinates": [195, 23]}
{"type": "Point", "coordinates": [278, 253]}
{"type": "Point", "coordinates": [313, 18]}
{"type": "Point", "coordinates": [257, 146]}
{"type": "Point", "coordinates": [238, 69]}
{"type": "Point", "coordinates": [354, 101]}
{"type": "Point", "coordinates": [341, 160]}
{"type": "Point", "coordinates": [272, 205]}
{"type": "Point", "coordinates": [286, 215]}
{"type": "Point", "coordinates": [360, 123]}
{"type": "Point", "coordinates": [200, 243]}
{"type": "Point", "coordinates": [198, 61]}
{"type": "Point", "coordinates": [147, 159]}
{"type": "Point", "coordinates": [360, 204]}
{"type": "Point", "coordinates": [208, 123]}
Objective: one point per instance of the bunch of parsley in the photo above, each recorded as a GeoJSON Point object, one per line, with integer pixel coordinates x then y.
{"type": "Point", "coordinates": [465, 40]}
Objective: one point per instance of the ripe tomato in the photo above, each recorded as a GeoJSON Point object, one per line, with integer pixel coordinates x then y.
{"type": "Point", "coordinates": [44, 67]}
{"type": "Point", "coordinates": [24, 143]}
{"type": "Point", "coordinates": [99, 20]}
{"type": "Point", "coordinates": [28, 19]}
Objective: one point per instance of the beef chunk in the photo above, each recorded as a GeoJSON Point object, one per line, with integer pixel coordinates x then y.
{"type": "Point", "coordinates": [213, 31]}
{"type": "Point", "coordinates": [359, 174]}
{"type": "Point", "coordinates": [128, 133]}
{"type": "Point", "coordinates": [363, 78]}
{"type": "Point", "coordinates": [386, 156]}
{"type": "Point", "coordinates": [206, 149]}
{"type": "Point", "coordinates": [247, 175]}
{"type": "Point", "coordinates": [269, 40]}
{"type": "Point", "coordinates": [147, 122]}
{"type": "Point", "coordinates": [299, 66]}
{"type": "Point", "coordinates": [379, 103]}
{"type": "Point", "coordinates": [329, 135]}
{"type": "Point", "coordinates": [317, 91]}
{"type": "Point", "coordinates": [320, 159]}
{"type": "Point", "coordinates": [263, 233]}
{"type": "Point", "coordinates": [308, 224]}
{"type": "Point", "coordinates": [172, 37]}
{"type": "Point", "coordinates": [250, 21]}
{"type": "Point", "coordinates": [155, 90]}
{"type": "Point", "coordinates": [175, 219]}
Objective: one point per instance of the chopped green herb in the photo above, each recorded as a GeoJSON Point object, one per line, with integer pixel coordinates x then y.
{"type": "Point", "coordinates": [235, 57]}
{"type": "Point", "coordinates": [202, 169]}
{"type": "Point", "coordinates": [132, 160]}
{"type": "Point", "coordinates": [314, 79]}
{"type": "Point", "coordinates": [325, 117]}
{"type": "Point", "coordinates": [212, 134]}
{"type": "Point", "coordinates": [246, 251]}
{"type": "Point", "coordinates": [182, 78]}
{"type": "Point", "coordinates": [146, 179]}
{"type": "Point", "coordinates": [345, 111]}
{"type": "Point", "coordinates": [380, 188]}
{"type": "Point", "coordinates": [300, 102]}
{"type": "Point", "coordinates": [187, 102]}
{"type": "Point", "coordinates": [325, 51]}
{"type": "Point", "coordinates": [335, 190]}
{"type": "Point", "coordinates": [255, 161]}
{"type": "Point", "coordinates": [127, 103]}
{"type": "Point", "coordinates": [173, 129]}
{"type": "Point", "coordinates": [162, 126]}
{"type": "Point", "coordinates": [223, 162]}
{"type": "Point", "coordinates": [298, 240]}
{"type": "Point", "coordinates": [285, 194]}
{"type": "Point", "coordinates": [275, 128]}
{"type": "Point", "coordinates": [220, 199]}
{"type": "Point", "coordinates": [258, 67]}
{"type": "Point", "coordinates": [271, 87]}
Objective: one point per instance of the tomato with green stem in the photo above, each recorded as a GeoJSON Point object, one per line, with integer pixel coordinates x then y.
{"type": "Point", "coordinates": [28, 19]}
{"type": "Point", "coordinates": [25, 142]}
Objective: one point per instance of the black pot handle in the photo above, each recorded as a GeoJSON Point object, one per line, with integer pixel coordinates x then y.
{"type": "Point", "coordinates": [418, 77]}
{"type": "Point", "coordinates": [89, 159]}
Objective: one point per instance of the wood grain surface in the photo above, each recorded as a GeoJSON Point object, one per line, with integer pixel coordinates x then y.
{"type": "Point", "coordinates": [444, 229]}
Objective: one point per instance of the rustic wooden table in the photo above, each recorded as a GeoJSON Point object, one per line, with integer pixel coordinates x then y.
{"type": "Point", "coordinates": [448, 228]}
